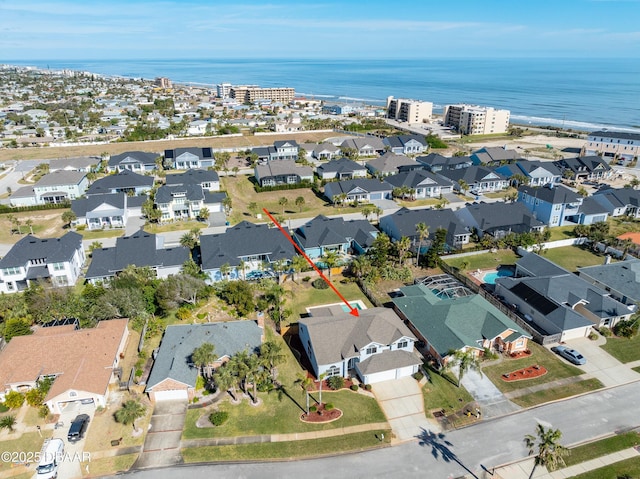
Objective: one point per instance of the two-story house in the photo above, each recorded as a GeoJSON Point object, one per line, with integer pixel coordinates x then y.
{"type": "Point", "coordinates": [553, 205]}
{"type": "Point", "coordinates": [184, 202]}
{"type": "Point", "coordinates": [406, 144]}
{"type": "Point", "coordinates": [207, 179]}
{"type": "Point", "coordinates": [423, 183]}
{"type": "Point", "coordinates": [187, 158]}
{"type": "Point", "coordinates": [137, 161]}
{"type": "Point", "coordinates": [535, 173]}
{"type": "Point", "coordinates": [584, 168]}
{"type": "Point", "coordinates": [494, 156]}
{"type": "Point", "coordinates": [57, 261]}
{"type": "Point", "coordinates": [281, 150]}
{"type": "Point", "coordinates": [359, 189]}
{"type": "Point", "coordinates": [57, 187]}
{"type": "Point", "coordinates": [499, 219]}
{"type": "Point", "coordinates": [390, 164]}
{"type": "Point", "coordinates": [435, 162]}
{"type": "Point", "coordinates": [109, 210]}
{"type": "Point", "coordinates": [341, 169]}
{"type": "Point", "coordinates": [282, 172]}
{"type": "Point", "coordinates": [373, 346]}
{"type": "Point", "coordinates": [619, 201]}
{"type": "Point", "coordinates": [613, 145]}
{"type": "Point", "coordinates": [126, 182]}
{"type": "Point", "coordinates": [478, 179]}
{"type": "Point", "coordinates": [368, 146]}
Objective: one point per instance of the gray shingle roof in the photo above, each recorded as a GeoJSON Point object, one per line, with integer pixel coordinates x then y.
{"type": "Point", "coordinates": [202, 153]}
{"type": "Point", "coordinates": [623, 276]}
{"type": "Point", "coordinates": [179, 341]}
{"type": "Point", "coordinates": [283, 167]}
{"type": "Point", "coordinates": [388, 360]}
{"type": "Point", "coordinates": [616, 134]}
{"type": "Point", "coordinates": [82, 206]}
{"type": "Point", "coordinates": [556, 195]}
{"type": "Point", "coordinates": [368, 185]}
{"type": "Point", "coordinates": [323, 231]}
{"type": "Point", "coordinates": [390, 163]}
{"type": "Point", "coordinates": [124, 179]}
{"type": "Point", "coordinates": [192, 192]}
{"type": "Point", "coordinates": [141, 157]}
{"type": "Point", "coordinates": [193, 176]}
{"type": "Point", "coordinates": [244, 239]}
{"type": "Point", "coordinates": [471, 174]}
{"type": "Point", "coordinates": [61, 177]}
{"type": "Point", "coordinates": [52, 250]}
{"type": "Point", "coordinates": [538, 265]}
{"type": "Point", "coordinates": [405, 221]}
{"type": "Point", "coordinates": [339, 165]}
{"type": "Point", "coordinates": [416, 178]}
{"type": "Point", "coordinates": [492, 217]}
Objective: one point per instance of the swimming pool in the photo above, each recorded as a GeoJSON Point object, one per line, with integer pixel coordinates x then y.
{"type": "Point", "coordinates": [491, 276]}
{"type": "Point", "coordinates": [354, 304]}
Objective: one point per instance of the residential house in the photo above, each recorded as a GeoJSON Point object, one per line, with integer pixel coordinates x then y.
{"type": "Point", "coordinates": [422, 183]}
{"type": "Point", "coordinates": [365, 146]}
{"type": "Point", "coordinates": [243, 249]}
{"type": "Point", "coordinates": [466, 323]}
{"type": "Point", "coordinates": [137, 161]}
{"type": "Point", "coordinates": [184, 202]}
{"type": "Point", "coordinates": [403, 223]}
{"type": "Point", "coordinates": [109, 210]}
{"type": "Point", "coordinates": [58, 261]}
{"type": "Point", "coordinates": [478, 179]}
{"type": "Point", "coordinates": [282, 172]}
{"type": "Point", "coordinates": [390, 164]}
{"type": "Point", "coordinates": [57, 187]}
{"type": "Point", "coordinates": [613, 145]}
{"type": "Point", "coordinates": [500, 219]}
{"type": "Point", "coordinates": [141, 249]}
{"type": "Point", "coordinates": [629, 242]}
{"type": "Point", "coordinates": [406, 144]}
{"type": "Point", "coordinates": [435, 162]}
{"type": "Point", "coordinates": [325, 151]}
{"type": "Point", "coordinates": [495, 156]}
{"type": "Point", "coordinates": [174, 374]}
{"type": "Point", "coordinates": [374, 346]}
{"type": "Point", "coordinates": [85, 164]}
{"type": "Point", "coordinates": [621, 280]}
{"type": "Point", "coordinates": [207, 179]}
{"type": "Point", "coordinates": [82, 362]}
{"type": "Point", "coordinates": [281, 150]}
{"type": "Point", "coordinates": [359, 189]}
{"type": "Point", "coordinates": [188, 158]}
{"type": "Point", "coordinates": [126, 182]}
{"type": "Point", "coordinates": [553, 205]}
{"type": "Point", "coordinates": [584, 168]}
{"type": "Point", "coordinates": [341, 169]}
{"type": "Point", "coordinates": [619, 201]}
{"type": "Point", "coordinates": [536, 173]}
{"type": "Point", "coordinates": [560, 303]}
{"type": "Point", "coordinates": [591, 211]}
{"type": "Point", "coordinates": [322, 234]}
{"type": "Point", "coordinates": [197, 127]}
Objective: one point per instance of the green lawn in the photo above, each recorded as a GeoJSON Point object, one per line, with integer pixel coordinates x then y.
{"type": "Point", "coordinates": [99, 234]}
{"type": "Point", "coordinates": [573, 257]}
{"type": "Point", "coordinates": [421, 202]}
{"type": "Point", "coordinates": [556, 369]}
{"type": "Point", "coordinates": [108, 466]}
{"type": "Point", "coordinates": [439, 393]}
{"type": "Point", "coordinates": [602, 447]}
{"type": "Point", "coordinates": [175, 226]}
{"type": "Point", "coordinates": [552, 394]}
{"type": "Point", "coordinates": [285, 450]}
{"type": "Point", "coordinates": [304, 295]}
{"type": "Point", "coordinates": [485, 260]}
{"type": "Point", "coordinates": [28, 442]}
{"type": "Point", "coordinates": [561, 232]}
{"type": "Point", "coordinates": [623, 349]}
{"type": "Point", "coordinates": [627, 468]}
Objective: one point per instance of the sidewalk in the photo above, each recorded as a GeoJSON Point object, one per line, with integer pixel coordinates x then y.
{"type": "Point", "coordinates": [522, 469]}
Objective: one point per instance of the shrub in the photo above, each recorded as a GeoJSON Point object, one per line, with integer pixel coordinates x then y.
{"type": "Point", "coordinates": [367, 387]}
{"type": "Point", "coordinates": [183, 313]}
{"type": "Point", "coordinates": [199, 383]}
{"type": "Point", "coordinates": [313, 409]}
{"type": "Point", "coordinates": [218, 418]}
{"type": "Point", "coordinates": [328, 406]}
{"type": "Point", "coordinates": [306, 279]}
{"type": "Point", "coordinates": [418, 376]}
{"type": "Point", "coordinates": [81, 227]}
{"type": "Point", "coordinates": [43, 411]}
{"type": "Point", "coordinates": [201, 315]}
{"type": "Point", "coordinates": [626, 329]}
{"type": "Point", "coordinates": [196, 399]}
{"type": "Point", "coordinates": [335, 382]}
{"type": "Point", "coordinates": [319, 283]}
{"type": "Point", "coordinates": [354, 387]}
{"type": "Point", "coordinates": [3, 408]}
{"type": "Point", "coordinates": [139, 372]}
{"type": "Point", "coordinates": [593, 336]}
{"type": "Point", "coordinates": [13, 400]}
{"type": "Point", "coordinates": [34, 397]}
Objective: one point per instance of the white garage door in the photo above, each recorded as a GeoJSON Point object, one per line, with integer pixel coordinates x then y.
{"type": "Point", "coordinates": [381, 376]}
{"type": "Point", "coordinates": [172, 394]}
{"type": "Point", "coordinates": [404, 372]}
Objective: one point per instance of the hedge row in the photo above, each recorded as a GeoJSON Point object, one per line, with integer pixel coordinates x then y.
{"type": "Point", "coordinates": [48, 206]}
{"type": "Point", "coordinates": [295, 186]}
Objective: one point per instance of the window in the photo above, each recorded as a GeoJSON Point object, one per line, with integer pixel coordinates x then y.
{"type": "Point", "coordinates": [11, 271]}
{"type": "Point", "coordinates": [403, 344]}
{"type": "Point", "coordinates": [58, 266]}
{"type": "Point", "coordinates": [372, 350]}
{"type": "Point", "coordinates": [72, 394]}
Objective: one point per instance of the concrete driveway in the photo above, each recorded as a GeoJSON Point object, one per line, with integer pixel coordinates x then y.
{"type": "Point", "coordinates": [490, 399]}
{"type": "Point", "coordinates": [403, 404]}
{"type": "Point", "coordinates": [73, 452]}
{"type": "Point", "coordinates": [600, 364]}
{"type": "Point", "coordinates": [162, 444]}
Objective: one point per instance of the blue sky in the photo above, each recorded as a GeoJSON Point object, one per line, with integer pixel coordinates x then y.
{"type": "Point", "coordinates": [346, 29]}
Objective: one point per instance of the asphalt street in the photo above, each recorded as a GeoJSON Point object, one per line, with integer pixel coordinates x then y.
{"type": "Point", "coordinates": [487, 444]}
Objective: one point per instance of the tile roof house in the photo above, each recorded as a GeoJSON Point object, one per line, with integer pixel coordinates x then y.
{"type": "Point", "coordinates": [341, 169]}
{"type": "Point", "coordinates": [375, 346]}
{"type": "Point", "coordinates": [140, 249]}
{"type": "Point", "coordinates": [323, 234]}
{"type": "Point", "coordinates": [435, 162]}
{"type": "Point", "coordinates": [406, 144]}
{"type": "Point", "coordinates": [281, 150]}
{"type": "Point", "coordinates": [173, 375]}
{"type": "Point", "coordinates": [126, 181]}
{"type": "Point", "coordinates": [138, 161]}
{"type": "Point", "coordinates": [245, 248]}
{"type": "Point", "coordinates": [207, 179]}
{"type": "Point", "coordinates": [479, 179]}
{"type": "Point", "coordinates": [619, 201]}
{"type": "Point", "coordinates": [468, 323]}
{"type": "Point", "coordinates": [82, 361]}
{"type": "Point", "coordinates": [187, 158]}
{"type": "Point", "coordinates": [282, 172]}
{"type": "Point", "coordinates": [585, 168]}
{"type": "Point", "coordinates": [368, 146]}
{"type": "Point", "coordinates": [403, 223]}
{"type": "Point", "coordinates": [56, 260]}
{"type": "Point", "coordinates": [424, 183]}
{"type": "Point", "coordinates": [560, 303]}
{"type": "Point", "coordinates": [359, 189]}
{"type": "Point", "coordinates": [499, 219]}
{"type": "Point", "coordinates": [553, 205]}
{"type": "Point", "coordinates": [621, 279]}
{"type": "Point", "coordinates": [57, 187]}
{"type": "Point", "coordinates": [390, 164]}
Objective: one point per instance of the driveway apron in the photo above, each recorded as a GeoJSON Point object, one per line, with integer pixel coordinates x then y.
{"type": "Point", "coordinates": [162, 444]}
{"type": "Point", "coordinates": [491, 401]}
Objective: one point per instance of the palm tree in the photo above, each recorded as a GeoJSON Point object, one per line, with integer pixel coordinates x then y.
{"type": "Point", "coordinates": [255, 369]}
{"type": "Point", "coordinates": [8, 422]}
{"type": "Point", "coordinates": [283, 202]}
{"type": "Point", "coordinates": [331, 259]}
{"type": "Point", "coordinates": [464, 186]}
{"type": "Point", "coordinates": [227, 204]}
{"type": "Point", "coordinates": [300, 203]}
{"type": "Point", "coordinates": [243, 266]}
{"type": "Point", "coordinates": [129, 412]}
{"type": "Point", "coordinates": [298, 263]}
{"type": "Point", "coordinates": [239, 364]}
{"type": "Point", "coordinates": [305, 383]}
{"type": "Point", "coordinates": [402, 247]}
{"type": "Point", "coordinates": [367, 210]}
{"type": "Point", "coordinates": [225, 269]}
{"type": "Point", "coordinates": [204, 355]}
{"type": "Point", "coordinates": [271, 355]}
{"type": "Point", "coordinates": [226, 380]}
{"type": "Point", "coordinates": [361, 266]}
{"type": "Point", "coordinates": [378, 211]}
{"type": "Point", "coordinates": [204, 214]}
{"type": "Point", "coordinates": [423, 232]}
{"type": "Point", "coordinates": [188, 240]}
{"type": "Point", "coordinates": [549, 450]}
{"type": "Point", "coordinates": [465, 361]}
{"type": "Point", "coordinates": [29, 223]}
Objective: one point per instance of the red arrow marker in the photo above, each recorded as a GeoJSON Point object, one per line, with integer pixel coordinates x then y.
{"type": "Point", "coordinates": [353, 311]}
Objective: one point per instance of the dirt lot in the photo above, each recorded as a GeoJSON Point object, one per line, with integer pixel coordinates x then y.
{"type": "Point", "coordinates": [45, 224]}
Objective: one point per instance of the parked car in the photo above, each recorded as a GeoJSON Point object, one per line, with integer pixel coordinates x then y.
{"type": "Point", "coordinates": [49, 459]}
{"type": "Point", "coordinates": [570, 355]}
{"type": "Point", "coordinates": [78, 428]}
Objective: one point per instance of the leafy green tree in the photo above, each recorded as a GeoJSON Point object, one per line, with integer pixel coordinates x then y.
{"type": "Point", "coordinates": [14, 400]}
{"type": "Point", "coordinates": [16, 327]}
{"type": "Point", "coordinates": [130, 411]}
{"type": "Point", "coordinates": [546, 445]}
{"type": "Point", "coordinates": [191, 268]}
{"type": "Point", "coordinates": [68, 216]}
{"type": "Point", "coordinates": [239, 294]}
{"type": "Point", "coordinates": [94, 246]}
{"type": "Point", "coordinates": [298, 264]}
{"type": "Point", "coordinates": [35, 397]}
{"type": "Point", "coordinates": [300, 203]}
{"type": "Point", "coordinates": [180, 289]}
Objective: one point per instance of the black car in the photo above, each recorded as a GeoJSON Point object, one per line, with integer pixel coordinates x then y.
{"type": "Point", "coordinates": [78, 428]}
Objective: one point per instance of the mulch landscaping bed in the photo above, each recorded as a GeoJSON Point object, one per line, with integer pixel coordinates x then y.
{"type": "Point", "coordinates": [519, 354]}
{"type": "Point", "coordinates": [530, 372]}
{"type": "Point", "coordinates": [321, 414]}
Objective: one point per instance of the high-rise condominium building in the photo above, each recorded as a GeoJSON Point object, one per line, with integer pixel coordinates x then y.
{"type": "Point", "coordinates": [476, 120]}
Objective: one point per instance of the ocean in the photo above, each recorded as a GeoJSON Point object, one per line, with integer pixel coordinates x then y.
{"type": "Point", "coordinates": [583, 94]}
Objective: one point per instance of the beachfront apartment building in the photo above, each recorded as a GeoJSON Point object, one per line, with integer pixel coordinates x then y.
{"type": "Point", "coordinates": [411, 111]}
{"type": "Point", "coordinates": [475, 120]}
{"type": "Point", "coordinates": [253, 93]}
{"type": "Point", "coordinates": [613, 145]}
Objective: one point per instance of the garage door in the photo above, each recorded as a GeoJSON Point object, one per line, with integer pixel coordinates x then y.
{"type": "Point", "coordinates": [381, 376]}
{"type": "Point", "coordinates": [406, 371]}
{"type": "Point", "coordinates": [375, 196]}
{"type": "Point", "coordinates": [171, 395]}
